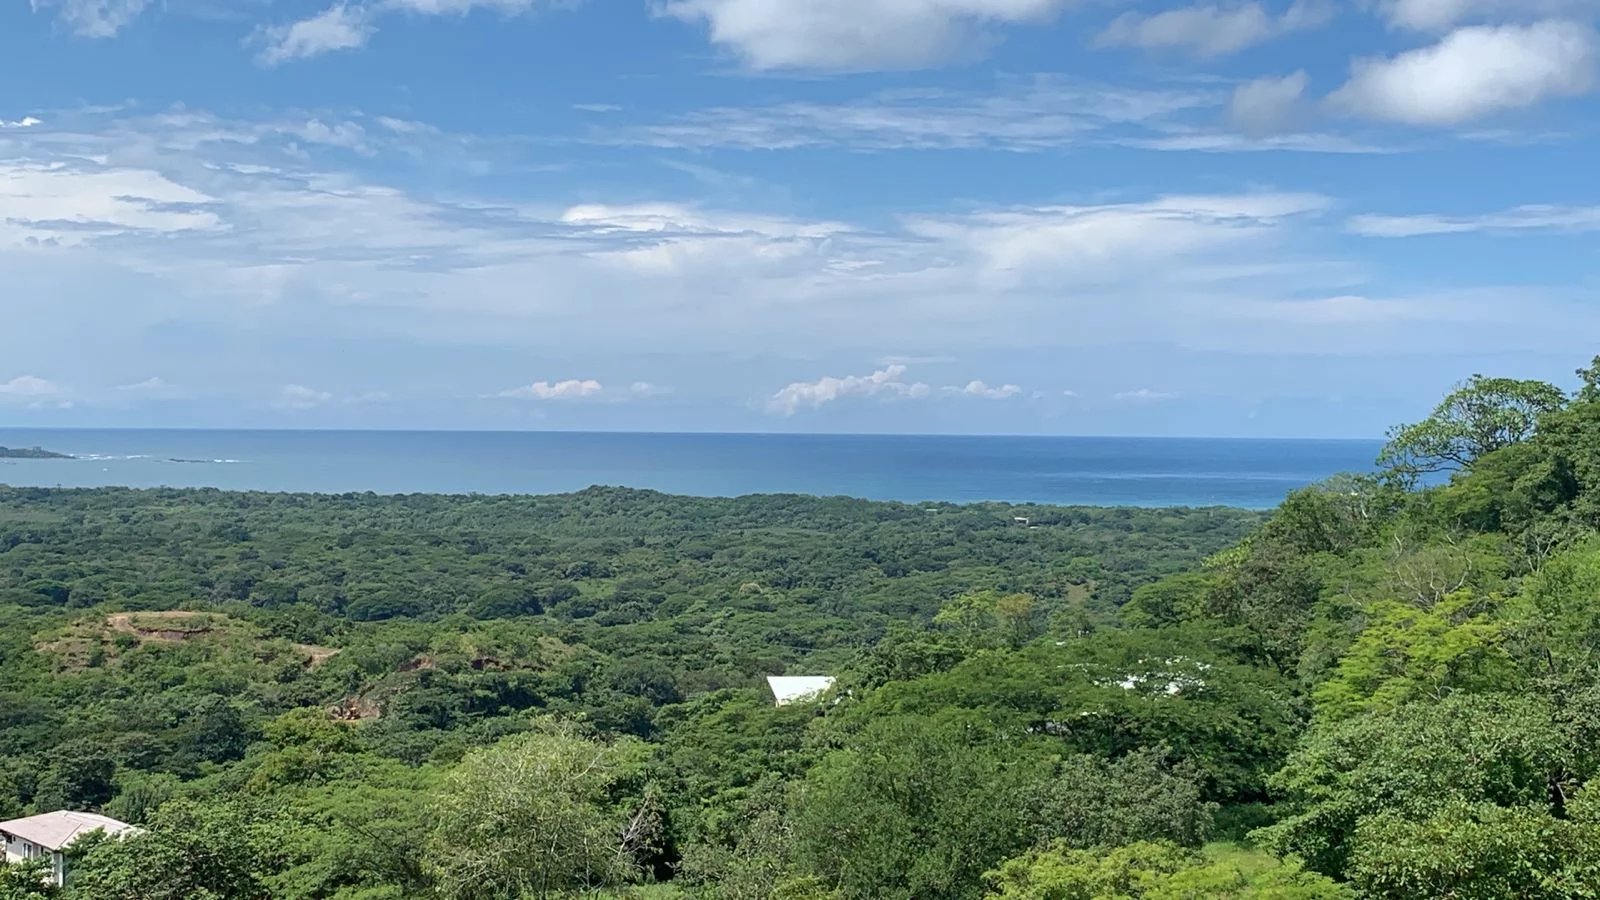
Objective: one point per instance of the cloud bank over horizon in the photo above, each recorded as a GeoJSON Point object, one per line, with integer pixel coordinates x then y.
{"type": "Point", "coordinates": [1248, 218]}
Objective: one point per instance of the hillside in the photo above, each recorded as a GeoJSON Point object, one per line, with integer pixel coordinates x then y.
{"type": "Point", "coordinates": [1389, 687]}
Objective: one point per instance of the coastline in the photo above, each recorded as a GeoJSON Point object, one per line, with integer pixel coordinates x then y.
{"type": "Point", "coordinates": [1058, 471]}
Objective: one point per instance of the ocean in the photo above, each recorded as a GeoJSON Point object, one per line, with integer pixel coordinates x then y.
{"type": "Point", "coordinates": [1102, 471]}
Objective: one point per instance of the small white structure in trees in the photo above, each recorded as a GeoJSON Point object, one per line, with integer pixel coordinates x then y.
{"type": "Point", "coordinates": [50, 834]}
{"type": "Point", "coordinates": [787, 689]}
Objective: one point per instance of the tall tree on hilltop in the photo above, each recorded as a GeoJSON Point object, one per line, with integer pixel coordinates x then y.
{"type": "Point", "coordinates": [1480, 416]}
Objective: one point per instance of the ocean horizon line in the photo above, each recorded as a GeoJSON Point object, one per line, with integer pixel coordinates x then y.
{"type": "Point", "coordinates": [71, 429]}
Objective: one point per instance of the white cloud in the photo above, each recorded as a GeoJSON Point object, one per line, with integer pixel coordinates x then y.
{"type": "Point", "coordinates": [857, 35]}
{"type": "Point", "coordinates": [93, 18]}
{"type": "Point", "coordinates": [30, 386]}
{"type": "Point", "coordinates": [298, 396]}
{"type": "Point", "coordinates": [1200, 140]}
{"type": "Point", "coordinates": [1521, 218]}
{"type": "Point", "coordinates": [1209, 30]}
{"type": "Point", "coordinates": [1097, 243]}
{"type": "Point", "coordinates": [348, 135]}
{"type": "Point", "coordinates": [983, 391]}
{"type": "Point", "coordinates": [68, 203]}
{"type": "Point", "coordinates": [150, 389]}
{"type": "Point", "coordinates": [149, 385]}
{"type": "Point", "coordinates": [886, 382]}
{"type": "Point", "coordinates": [571, 389]}
{"type": "Point", "coordinates": [293, 238]}
{"type": "Point", "coordinates": [406, 126]}
{"type": "Point", "coordinates": [1143, 395]}
{"type": "Point", "coordinates": [339, 27]}
{"type": "Point", "coordinates": [1023, 114]}
{"type": "Point", "coordinates": [1472, 73]}
{"type": "Point", "coordinates": [1345, 316]}
{"type": "Point", "coordinates": [1439, 15]}
{"type": "Point", "coordinates": [33, 392]}
{"type": "Point", "coordinates": [670, 238]}
{"type": "Point", "coordinates": [24, 122]}
{"type": "Point", "coordinates": [1348, 310]}
{"type": "Point", "coordinates": [348, 26]}
{"type": "Point", "coordinates": [1268, 104]}
{"type": "Point", "coordinates": [462, 7]}
{"type": "Point", "coordinates": [673, 219]}
{"type": "Point", "coordinates": [419, 287]}
{"type": "Point", "coordinates": [646, 389]}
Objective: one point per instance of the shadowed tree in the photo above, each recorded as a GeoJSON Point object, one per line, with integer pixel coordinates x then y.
{"type": "Point", "coordinates": [1480, 416]}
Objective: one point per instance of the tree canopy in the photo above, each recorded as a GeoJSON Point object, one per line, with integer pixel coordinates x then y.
{"type": "Point", "coordinates": [1480, 416]}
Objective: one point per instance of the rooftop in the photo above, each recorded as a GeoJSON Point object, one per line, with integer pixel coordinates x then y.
{"type": "Point", "coordinates": [56, 830]}
{"type": "Point", "coordinates": [787, 689]}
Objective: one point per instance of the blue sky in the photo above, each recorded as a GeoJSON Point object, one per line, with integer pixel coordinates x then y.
{"type": "Point", "coordinates": [1261, 218]}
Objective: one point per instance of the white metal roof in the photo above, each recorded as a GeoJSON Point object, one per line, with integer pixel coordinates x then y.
{"type": "Point", "coordinates": [787, 689]}
{"type": "Point", "coordinates": [55, 830]}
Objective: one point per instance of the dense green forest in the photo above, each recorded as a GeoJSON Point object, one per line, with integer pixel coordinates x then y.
{"type": "Point", "coordinates": [1389, 687]}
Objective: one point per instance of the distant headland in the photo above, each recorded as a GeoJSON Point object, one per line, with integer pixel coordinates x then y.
{"type": "Point", "coordinates": [30, 453]}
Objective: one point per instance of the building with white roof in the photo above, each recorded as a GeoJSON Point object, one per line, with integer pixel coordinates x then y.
{"type": "Point", "coordinates": [50, 834]}
{"type": "Point", "coordinates": [787, 689]}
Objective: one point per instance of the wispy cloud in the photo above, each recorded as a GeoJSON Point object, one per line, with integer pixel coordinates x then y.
{"type": "Point", "coordinates": [914, 360]}
{"type": "Point", "coordinates": [1344, 309]}
{"type": "Point", "coordinates": [571, 389]}
{"type": "Point", "coordinates": [150, 390]}
{"type": "Point", "coordinates": [1209, 30]}
{"type": "Point", "coordinates": [24, 122]}
{"type": "Point", "coordinates": [250, 230]}
{"type": "Point", "coordinates": [1438, 15]}
{"type": "Point", "coordinates": [856, 35]}
{"type": "Point", "coordinates": [1021, 114]}
{"type": "Point", "coordinates": [349, 25]}
{"type": "Point", "coordinates": [1143, 395]}
{"type": "Point", "coordinates": [149, 384]}
{"type": "Point", "coordinates": [298, 396]}
{"type": "Point", "coordinates": [339, 27]}
{"type": "Point", "coordinates": [1214, 140]}
{"type": "Point", "coordinates": [1521, 218]}
{"type": "Point", "coordinates": [52, 203]}
{"type": "Point", "coordinates": [30, 386]}
{"type": "Point", "coordinates": [93, 18]}
{"type": "Point", "coordinates": [1097, 242]}
{"type": "Point", "coordinates": [33, 392]}
{"type": "Point", "coordinates": [1270, 104]}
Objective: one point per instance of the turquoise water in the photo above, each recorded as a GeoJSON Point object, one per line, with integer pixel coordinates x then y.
{"type": "Point", "coordinates": [1066, 470]}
